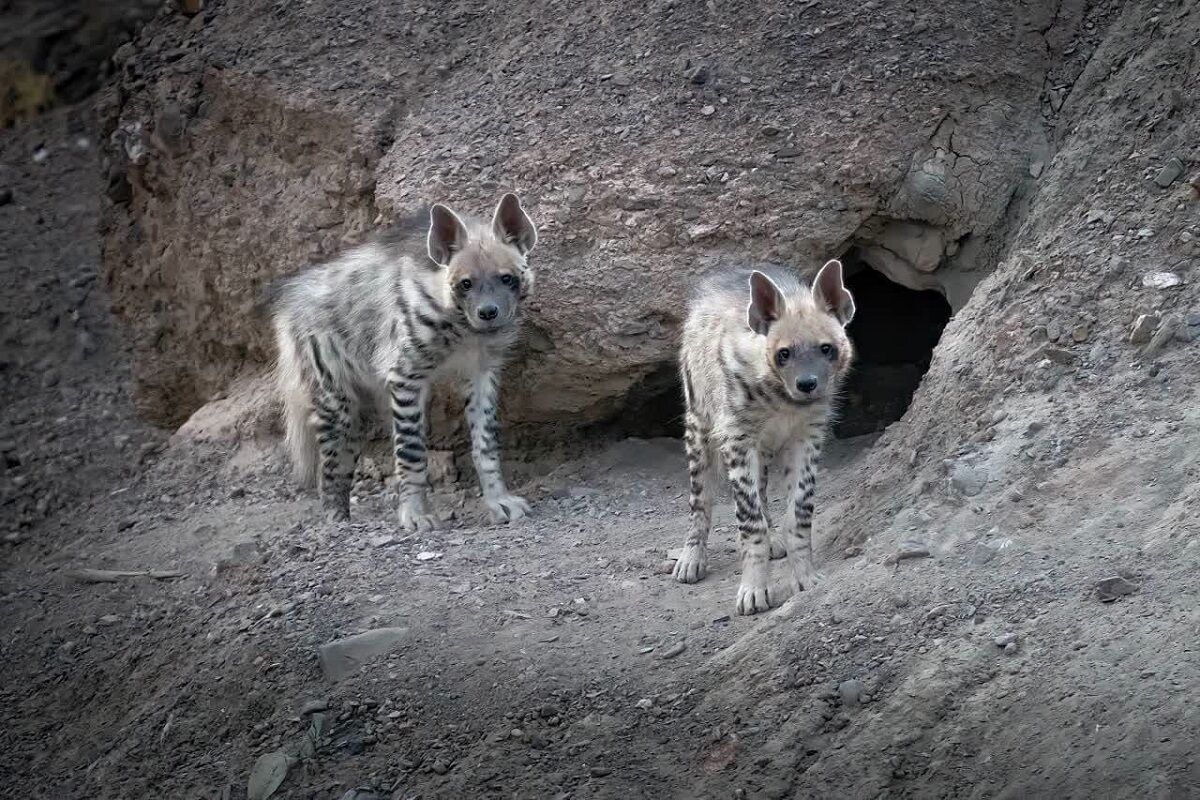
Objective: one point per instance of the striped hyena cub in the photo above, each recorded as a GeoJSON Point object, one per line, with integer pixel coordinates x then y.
{"type": "Point", "coordinates": [371, 329]}
{"type": "Point", "coordinates": [762, 357]}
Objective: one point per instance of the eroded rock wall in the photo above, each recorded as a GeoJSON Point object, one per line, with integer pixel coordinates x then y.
{"type": "Point", "coordinates": [651, 142]}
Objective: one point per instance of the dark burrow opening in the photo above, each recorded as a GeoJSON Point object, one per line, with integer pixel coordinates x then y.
{"type": "Point", "coordinates": [894, 331]}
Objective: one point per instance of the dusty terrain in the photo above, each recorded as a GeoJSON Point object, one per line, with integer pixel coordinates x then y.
{"type": "Point", "coordinates": [1011, 607]}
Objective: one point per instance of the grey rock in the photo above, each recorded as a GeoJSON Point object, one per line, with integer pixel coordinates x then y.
{"type": "Point", "coordinates": [674, 650]}
{"type": "Point", "coordinates": [1143, 328]}
{"type": "Point", "coordinates": [1166, 331]}
{"type": "Point", "coordinates": [1109, 589]}
{"type": "Point", "coordinates": [967, 480]}
{"type": "Point", "coordinates": [267, 774]}
{"type": "Point", "coordinates": [1169, 173]}
{"type": "Point", "coordinates": [313, 706]}
{"type": "Point", "coordinates": [1005, 639]}
{"type": "Point", "coordinates": [343, 657]}
{"type": "Point", "coordinates": [851, 692]}
{"type": "Point", "coordinates": [1161, 280]}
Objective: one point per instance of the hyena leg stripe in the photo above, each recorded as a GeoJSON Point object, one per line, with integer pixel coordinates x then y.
{"type": "Point", "coordinates": [800, 498]}
{"type": "Point", "coordinates": [743, 475]}
{"type": "Point", "coordinates": [482, 422]}
{"type": "Point", "coordinates": [407, 392]}
{"type": "Point", "coordinates": [699, 458]}
{"type": "Point", "coordinates": [335, 423]}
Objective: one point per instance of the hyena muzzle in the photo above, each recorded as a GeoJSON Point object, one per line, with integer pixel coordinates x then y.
{"type": "Point", "coordinates": [762, 358]}
{"type": "Point", "coordinates": [372, 329]}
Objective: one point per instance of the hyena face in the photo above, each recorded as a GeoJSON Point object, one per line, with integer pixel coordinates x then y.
{"type": "Point", "coordinates": [486, 271]}
{"type": "Point", "coordinates": [804, 338]}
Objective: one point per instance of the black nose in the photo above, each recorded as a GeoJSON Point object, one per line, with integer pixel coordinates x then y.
{"type": "Point", "coordinates": [488, 312]}
{"type": "Point", "coordinates": [807, 383]}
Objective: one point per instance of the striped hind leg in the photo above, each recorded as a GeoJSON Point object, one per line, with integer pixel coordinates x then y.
{"type": "Point", "coordinates": [692, 564]}
{"type": "Point", "coordinates": [339, 439]}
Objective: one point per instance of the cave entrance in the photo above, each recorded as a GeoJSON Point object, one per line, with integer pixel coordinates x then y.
{"type": "Point", "coordinates": [894, 331]}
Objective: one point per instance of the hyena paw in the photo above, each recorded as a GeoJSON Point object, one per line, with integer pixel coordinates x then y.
{"type": "Point", "coordinates": [507, 508]}
{"type": "Point", "coordinates": [336, 511]}
{"type": "Point", "coordinates": [808, 576]}
{"type": "Point", "coordinates": [692, 565]}
{"type": "Point", "coordinates": [417, 517]}
{"type": "Point", "coordinates": [778, 548]}
{"type": "Point", "coordinates": [755, 594]}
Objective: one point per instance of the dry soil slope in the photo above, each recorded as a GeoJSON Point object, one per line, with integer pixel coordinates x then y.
{"type": "Point", "coordinates": [1031, 469]}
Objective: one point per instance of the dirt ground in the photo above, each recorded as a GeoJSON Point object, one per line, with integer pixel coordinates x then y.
{"type": "Point", "coordinates": [552, 658]}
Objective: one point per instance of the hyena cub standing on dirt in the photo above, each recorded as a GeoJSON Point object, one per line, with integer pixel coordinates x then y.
{"type": "Point", "coordinates": [762, 357]}
{"type": "Point", "coordinates": [371, 329]}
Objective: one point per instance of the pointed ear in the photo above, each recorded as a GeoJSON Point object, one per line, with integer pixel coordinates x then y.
{"type": "Point", "coordinates": [512, 225]}
{"type": "Point", "coordinates": [447, 234]}
{"type": "Point", "coordinates": [766, 303]}
{"type": "Point", "coordinates": [831, 294]}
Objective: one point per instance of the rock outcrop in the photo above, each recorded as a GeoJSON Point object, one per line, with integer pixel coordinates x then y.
{"type": "Point", "coordinates": [651, 143]}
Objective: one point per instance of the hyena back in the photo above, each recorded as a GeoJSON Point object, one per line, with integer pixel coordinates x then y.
{"type": "Point", "coordinates": [368, 333]}
{"type": "Point", "coordinates": [762, 358]}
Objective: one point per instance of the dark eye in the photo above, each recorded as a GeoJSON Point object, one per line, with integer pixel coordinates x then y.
{"type": "Point", "coordinates": [465, 285]}
{"type": "Point", "coordinates": [782, 355]}
{"type": "Point", "coordinates": [829, 351]}
{"type": "Point", "coordinates": [508, 280]}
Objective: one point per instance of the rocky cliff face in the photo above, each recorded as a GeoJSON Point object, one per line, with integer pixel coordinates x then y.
{"type": "Point", "coordinates": [651, 142]}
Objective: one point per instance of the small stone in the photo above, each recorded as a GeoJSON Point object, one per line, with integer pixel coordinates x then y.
{"type": "Point", "coordinates": [439, 767]}
{"type": "Point", "coordinates": [667, 171]}
{"type": "Point", "coordinates": [1109, 589]}
{"type": "Point", "coordinates": [1169, 173]}
{"type": "Point", "coordinates": [1011, 648]}
{"type": "Point", "coordinates": [268, 772]}
{"type": "Point", "coordinates": [1166, 331]}
{"type": "Point", "coordinates": [708, 111]}
{"type": "Point", "coordinates": [383, 541]}
{"type": "Point", "coordinates": [698, 75]}
{"type": "Point", "coordinates": [769, 131]}
{"type": "Point", "coordinates": [1080, 332]}
{"type": "Point", "coordinates": [666, 566]}
{"type": "Point", "coordinates": [674, 650]}
{"type": "Point", "coordinates": [314, 706]}
{"type": "Point", "coordinates": [599, 772]}
{"type": "Point", "coordinates": [1143, 328]}
{"type": "Point", "coordinates": [1161, 280]}
{"type": "Point", "coordinates": [1005, 639]}
{"type": "Point", "coordinates": [109, 619]}
{"type": "Point", "coordinates": [967, 480]}
{"type": "Point", "coordinates": [343, 657]}
{"type": "Point", "coordinates": [910, 548]}
{"type": "Point", "coordinates": [645, 704]}
{"type": "Point", "coordinates": [1058, 355]}
{"type": "Point", "coordinates": [428, 555]}
{"type": "Point", "coordinates": [851, 692]}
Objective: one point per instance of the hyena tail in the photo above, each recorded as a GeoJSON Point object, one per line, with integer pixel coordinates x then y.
{"type": "Point", "coordinates": [296, 392]}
